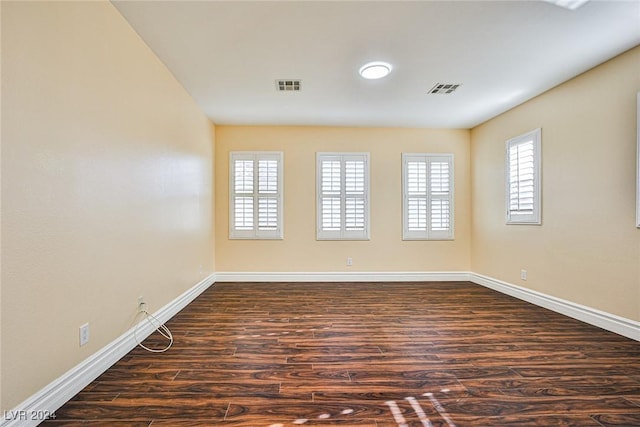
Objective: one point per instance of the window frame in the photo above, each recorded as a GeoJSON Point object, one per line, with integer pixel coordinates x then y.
{"type": "Point", "coordinates": [513, 217]}
{"type": "Point", "coordinates": [343, 234]}
{"type": "Point", "coordinates": [428, 233]}
{"type": "Point", "coordinates": [256, 233]}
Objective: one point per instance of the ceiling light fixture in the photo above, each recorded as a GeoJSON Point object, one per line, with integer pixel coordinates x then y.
{"type": "Point", "coordinates": [375, 70]}
{"type": "Point", "coordinates": [568, 4]}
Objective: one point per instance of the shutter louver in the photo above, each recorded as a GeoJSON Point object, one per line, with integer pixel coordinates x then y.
{"type": "Point", "coordinates": [331, 177]}
{"type": "Point", "coordinates": [417, 214]}
{"type": "Point", "coordinates": [243, 218]}
{"type": "Point", "coordinates": [417, 177]}
{"type": "Point", "coordinates": [354, 214]}
{"type": "Point", "coordinates": [440, 215]}
{"type": "Point", "coordinates": [267, 176]}
{"type": "Point", "coordinates": [267, 213]}
{"type": "Point", "coordinates": [331, 213]}
{"type": "Point", "coordinates": [244, 176]}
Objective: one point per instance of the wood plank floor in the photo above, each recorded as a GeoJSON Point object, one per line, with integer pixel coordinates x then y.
{"type": "Point", "coordinates": [368, 354]}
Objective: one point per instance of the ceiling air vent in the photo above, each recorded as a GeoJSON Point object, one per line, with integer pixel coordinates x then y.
{"type": "Point", "coordinates": [288, 85]}
{"type": "Point", "coordinates": [444, 88]}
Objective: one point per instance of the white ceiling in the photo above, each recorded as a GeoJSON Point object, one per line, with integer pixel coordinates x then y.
{"type": "Point", "coordinates": [228, 56]}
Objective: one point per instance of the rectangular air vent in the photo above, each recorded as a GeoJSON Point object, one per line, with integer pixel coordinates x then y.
{"type": "Point", "coordinates": [288, 85]}
{"type": "Point", "coordinates": [444, 88]}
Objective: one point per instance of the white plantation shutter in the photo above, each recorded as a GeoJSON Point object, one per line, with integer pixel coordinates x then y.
{"type": "Point", "coordinates": [427, 196]}
{"type": "Point", "coordinates": [243, 198]}
{"type": "Point", "coordinates": [256, 195]}
{"type": "Point", "coordinates": [267, 214]}
{"type": "Point", "coordinates": [330, 201]}
{"type": "Point", "coordinates": [441, 197]}
{"type": "Point", "coordinates": [416, 199]}
{"type": "Point", "coordinates": [267, 195]}
{"type": "Point", "coordinates": [523, 179]}
{"type": "Point", "coordinates": [342, 188]}
{"type": "Point", "coordinates": [243, 213]}
{"type": "Point", "coordinates": [354, 208]}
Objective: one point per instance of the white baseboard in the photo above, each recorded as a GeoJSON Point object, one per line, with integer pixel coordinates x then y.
{"type": "Point", "coordinates": [58, 392]}
{"type": "Point", "coordinates": [610, 322]}
{"type": "Point", "coordinates": [345, 276]}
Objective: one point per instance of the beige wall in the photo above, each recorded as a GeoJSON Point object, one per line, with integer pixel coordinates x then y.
{"type": "Point", "coordinates": [299, 251]}
{"type": "Point", "coordinates": [587, 249]}
{"type": "Point", "coordinates": [106, 186]}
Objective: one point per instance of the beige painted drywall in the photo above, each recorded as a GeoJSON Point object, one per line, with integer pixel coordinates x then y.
{"type": "Point", "coordinates": [106, 186]}
{"type": "Point", "coordinates": [299, 250]}
{"type": "Point", "coordinates": [587, 249]}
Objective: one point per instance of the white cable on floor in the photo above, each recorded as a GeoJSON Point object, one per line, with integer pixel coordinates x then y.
{"type": "Point", "coordinates": [160, 327]}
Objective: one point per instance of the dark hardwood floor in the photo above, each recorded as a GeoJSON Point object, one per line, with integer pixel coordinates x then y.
{"type": "Point", "coordinates": [368, 354]}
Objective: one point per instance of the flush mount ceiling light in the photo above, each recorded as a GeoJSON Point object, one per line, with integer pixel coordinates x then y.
{"type": "Point", "coordinates": [568, 4]}
{"type": "Point", "coordinates": [375, 70]}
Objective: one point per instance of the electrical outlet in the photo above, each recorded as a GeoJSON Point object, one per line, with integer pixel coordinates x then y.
{"type": "Point", "coordinates": [141, 302]}
{"type": "Point", "coordinates": [349, 261]}
{"type": "Point", "coordinates": [84, 334]}
{"type": "Point", "coordinates": [523, 274]}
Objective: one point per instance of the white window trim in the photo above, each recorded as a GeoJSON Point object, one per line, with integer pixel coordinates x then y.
{"type": "Point", "coordinates": [534, 218]}
{"type": "Point", "coordinates": [427, 234]}
{"type": "Point", "coordinates": [256, 234]}
{"type": "Point", "coordinates": [342, 234]}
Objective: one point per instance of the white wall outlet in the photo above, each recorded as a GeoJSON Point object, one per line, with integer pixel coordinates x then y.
{"type": "Point", "coordinates": [523, 274]}
{"type": "Point", "coordinates": [84, 334]}
{"type": "Point", "coordinates": [349, 261]}
{"type": "Point", "coordinates": [141, 303]}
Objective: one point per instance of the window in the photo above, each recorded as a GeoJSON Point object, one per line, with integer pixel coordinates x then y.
{"type": "Point", "coordinates": [523, 179]}
{"type": "Point", "coordinates": [255, 205]}
{"type": "Point", "coordinates": [343, 196]}
{"type": "Point", "coordinates": [427, 183]}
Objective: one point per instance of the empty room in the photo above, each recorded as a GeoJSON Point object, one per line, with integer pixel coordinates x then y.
{"type": "Point", "coordinates": [355, 213]}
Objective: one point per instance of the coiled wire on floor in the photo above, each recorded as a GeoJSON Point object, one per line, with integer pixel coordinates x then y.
{"type": "Point", "coordinates": [158, 326]}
